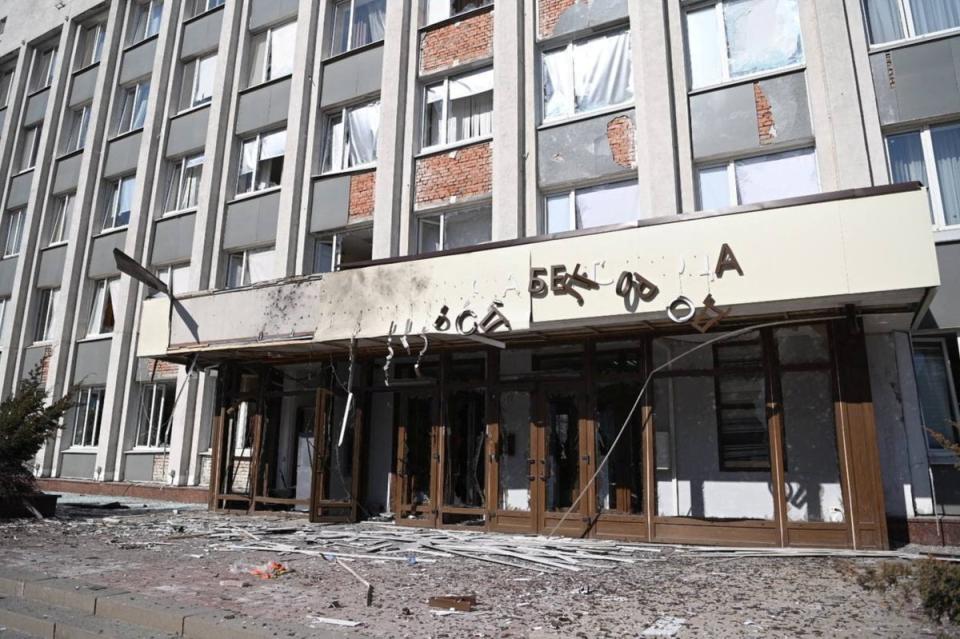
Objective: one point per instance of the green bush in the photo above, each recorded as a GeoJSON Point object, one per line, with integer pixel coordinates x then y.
{"type": "Point", "coordinates": [938, 585]}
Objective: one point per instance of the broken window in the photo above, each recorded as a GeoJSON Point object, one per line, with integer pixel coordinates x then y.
{"type": "Point", "coordinates": [196, 84]}
{"type": "Point", "coordinates": [711, 445]}
{"type": "Point", "coordinates": [59, 226]}
{"type": "Point", "coordinates": [357, 23]}
{"type": "Point", "coordinates": [120, 203]}
{"type": "Point", "coordinates": [88, 412]}
{"type": "Point", "coordinates": [758, 179]}
{"type": "Point", "coordinates": [334, 250]}
{"type": "Point", "coordinates": [156, 411]}
{"type": "Point", "coordinates": [936, 388]}
{"type": "Point", "coordinates": [437, 10]}
{"type": "Point", "coordinates": [78, 122]}
{"type": "Point", "coordinates": [46, 314]}
{"type": "Point", "coordinates": [351, 137]}
{"type": "Point", "coordinates": [416, 466]}
{"type": "Point", "coordinates": [176, 277]}
{"type": "Point", "coordinates": [563, 450]}
{"type": "Point", "coordinates": [12, 232]}
{"type": "Point", "coordinates": [891, 20]}
{"type": "Point", "coordinates": [513, 450]}
{"type": "Point", "coordinates": [106, 298]}
{"type": "Point", "coordinates": [183, 189]}
{"type": "Point", "coordinates": [813, 488]}
{"type": "Point", "coordinates": [249, 267]}
{"type": "Point", "coordinates": [454, 229]}
{"type": "Point", "coordinates": [603, 205]}
{"type": "Point", "coordinates": [29, 147]}
{"type": "Point", "coordinates": [931, 156]}
{"type": "Point", "coordinates": [620, 483]}
{"type": "Point", "coordinates": [458, 109]}
{"type": "Point", "coordinates": [732, 39]}
{"type": "Point", "coordinates": [587, 75]}
{"type": "Point", "coordinates": [465, 441]}
{"type": "Point", "coordinates": [261, 162]}
{"type": "Point", "coordinates": [271, 54]}
{"type": "Point", "coordinates": [132, 109]}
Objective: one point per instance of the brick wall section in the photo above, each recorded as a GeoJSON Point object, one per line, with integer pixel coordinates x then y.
{"type": "Point", "coordinates": [622, 141]}
{"type": "Point", "coordinates": [766, 127]}
{"type": "Point", "coordinates": [454, 175]}
{"type": "Point", "coordinates": [549, 12]}
{"type": "Point", "coordinates": [362, 195]}
{"type": "Point", "coordinates": [206, 469]}
{"type": "Point", "coordinates": [457, 43]}
{"type": "Point", "coordinates": [164, 370]}
{"type": "Point", "coordinates": [160, 465]}
{"type": "Point", "coordinates": [45, 365]}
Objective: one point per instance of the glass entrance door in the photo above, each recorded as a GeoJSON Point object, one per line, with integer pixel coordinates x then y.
{"type": "Point", "coordinates": [563, 460]}
{"type": "Point", "coordinates": [417, 458]}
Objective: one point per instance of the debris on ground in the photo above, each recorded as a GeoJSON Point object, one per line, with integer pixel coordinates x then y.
{"type": "Point", "coordinates": [334, 622]}
{"type": "Point", "coordinates": [665, 627]}
{"type": "Point", "coordinates": [269, 570]}
{"type": "Point", "coordinates": [454, 602]}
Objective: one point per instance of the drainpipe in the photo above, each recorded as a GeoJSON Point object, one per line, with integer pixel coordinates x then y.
{"type": "Point", "coordinates": [936, 508]}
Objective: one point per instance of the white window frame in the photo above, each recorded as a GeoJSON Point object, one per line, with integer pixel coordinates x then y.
{"type": "Point", "coordinates": [99, 33]}
{"type": "Point", "coordinates": [28, 157]}
{"type": "Point", "coordinates": [3, 312]}
{"type": "Point", "coordinates": [929, 169]}
{"type": "Point", "coordinates": [731, 166]}
{"type": "Point", "coordinates": [6, 84]}
{"type": "Point", "coordinates": [258, 138]}
{"type": "Point", "coordinates": [335, 239]}
{"type": "Point", "coordinates": [443, 215]}
{"type": "Point", "coordinates": [445, 114]}
{"type": "Point", "coordinates": [152, 408]}
{"type": "Point", "coordinates": [333, 39]}
{"type": "Point", "coordinates": [945, 353]}
{"type": "Point", "coordinates": [149, 6]}
{"type": "Point", "coordinates": [177, 175]}
{"type": "Point", "coordinates": [425, 15]}
{"type": "Point", "coordinates": [134, 90]}
{"type": "Point", "coordinates": [46, 315]}
{"type": "Point", "coordinates": [724, 54]}
{"type": "Point", "coordinates": [907, 26]}
{"type": "Point", "coordinates": [112, 213]}
{"type": "Point", "coordinates": [59, 224]}
{"type": "Point", "coordinates": [69, 144]}
{"type": "Point", "coordinates": [42, 79]}
{"type": "Point", "coordinates": [98, 307]}
{"type": "Point", "coordinates": [167, 273]}
{"type": "Point", "coordinates": [268, 55]}
{"type": "Point", "coordinates": [192, 103]}
{"type": "Point", "coordinates": [88, 438]}
{"type": "Point", "coordinates": [13, 223]}
{"type": "Point", "coordinates": [244, 258]}
{"type": "Point", "coordinates": [571, 195]}
{"type": "Point", "coordinates": [199, 7]}
{"type": "Point", "coordinates": [345, 150]}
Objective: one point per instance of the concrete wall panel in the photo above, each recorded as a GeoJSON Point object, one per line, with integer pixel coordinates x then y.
{"type": "Point", "coordinates": [8, 271]}
{"type": "Point", "coordinates": [102, 263]}
{"type": "Point", "coordinates": [201, 35]}
{"type": "Point", "coordinates": [737, 106]}
{"type": "Point", "coordinates": [330, 206]}
{"type": "Point", "coordinates": [93, 357]}
{"type": "Point", "coordinates": [36, 108]}
{"type": "Point", "coordinates": [19, 190]}
{"type": "Point", "coordinates": [172, 239]}
{"type": "Point", "coordinates": [349, 78]}
{"type": "Point", "coordinates": [579, 151]}
{"type": "Point", "coordinates": [78, 465]}
{"type": "Point", "coordinates": [32, 356]}
{"type": "Point", "coordinates": [188, 133]}
{"type": "Point", "coordinates": [263, 107]}
{"type": "Point", "coordinates": [138, 62]}
{"type": "Point", "coordinates": [52, 263]}
{"type": "Point", "coordinates": [83, 84]}
{"type": "Point", "coordinates": [67, 174]}
{"type": "Point", "coordinates": [918, 81]}
{"type": "Point", "coordinates": [945, 308]}
{"type": "Point", "coordinates": [252, 221]}
{"type": "Point", "coordinates": [264, 13]}
{"type": "Point", "coordinates": [122, 156]}
{"type": "Point", "coordinates": [138, 467]}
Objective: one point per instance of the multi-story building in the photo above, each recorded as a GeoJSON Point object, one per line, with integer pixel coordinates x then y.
{"type": "Point", "coordinates": [654, 269]}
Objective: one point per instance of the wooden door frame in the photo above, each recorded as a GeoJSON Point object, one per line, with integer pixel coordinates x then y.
{"type": "Point", "coordinates": [399, 479]}
{"type": "Point", "coordinates": [513, 521]}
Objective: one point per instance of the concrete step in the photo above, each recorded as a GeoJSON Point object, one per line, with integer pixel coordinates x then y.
{"type": "Point", "coordinates": [43, 621]}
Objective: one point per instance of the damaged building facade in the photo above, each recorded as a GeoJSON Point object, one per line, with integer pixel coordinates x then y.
{"type": "Point", "coordinates": [668, 271]}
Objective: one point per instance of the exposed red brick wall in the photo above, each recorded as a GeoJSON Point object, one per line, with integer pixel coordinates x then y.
{"type": "Point", "coordinates": [622, 141]}
{"type": "Point", "coordinates": [457, 43]}
{"type": "Point", "coordinates": [45, 365]}
{"type": "Point", "coordinates": [766, 127]}
{"type": "Point", "coordinates": [462, 173]}
{"type": "Point", "coordinates": [362, 195]}
{"type": "Point", "coordinates": [163, 370]}
{"type": "Point", "coordinates": [549, 12]}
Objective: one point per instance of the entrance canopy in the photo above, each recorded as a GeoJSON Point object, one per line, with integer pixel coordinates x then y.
{"type": "Point", "coordinates": [872, 248]}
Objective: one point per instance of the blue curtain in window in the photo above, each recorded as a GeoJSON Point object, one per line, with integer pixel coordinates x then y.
{"type": "Point", "coordinates": [883, 20]}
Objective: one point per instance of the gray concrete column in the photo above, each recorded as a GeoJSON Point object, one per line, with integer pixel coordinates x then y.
{"type": "Point", "coordinates": [655, 144]}
{"type": "Point", "coordinates": [834, 102]}
{"type": "Point", "coordinates": [681, 109]}
{"type": "Point", "coordinates": [531, 110]}
{"type": "Point", "coordinates": [213, 179]}
{"type": "Point", "coordinates": [115, 416]}
{"type": "Point", "coordinates": [298, 119]}
{"type": "Point", "coordinates": [508, 115]}
{"type": "Point", "coordinates": [399, 62]}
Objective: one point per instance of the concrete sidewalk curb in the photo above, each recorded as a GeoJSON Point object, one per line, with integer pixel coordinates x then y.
{"type": "Point", "coordinates": [68, 593]}
{"type": "Point", "coordinates": [12, 580]}
{"type": "Point", "coordinates": [143, 611]}
{"type": "Point", "coordinates": [227, 626]}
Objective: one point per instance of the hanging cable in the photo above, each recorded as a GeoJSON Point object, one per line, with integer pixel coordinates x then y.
{"type": "Point", "coordinates": [646, 383]}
